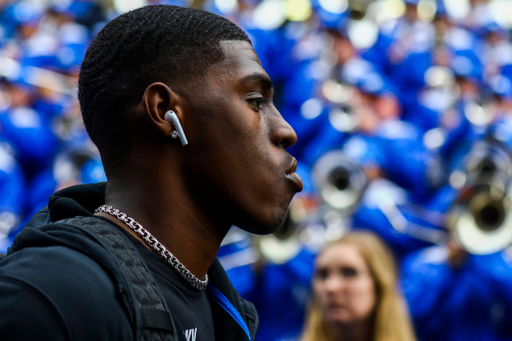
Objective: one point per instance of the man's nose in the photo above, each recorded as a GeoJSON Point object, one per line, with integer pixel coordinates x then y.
{"type": "Point", "coordinates": [283, 135]}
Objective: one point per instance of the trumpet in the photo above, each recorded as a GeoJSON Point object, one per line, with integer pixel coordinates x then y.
{"type": "Point", "coordinates": [281, 246]}
{"type": "Point", "coordinates": [340, 181]}
{"type": "Point", "coordinates": [341, 116]}
{"type": "Point", "coordinates": [482, 217]}
{"type": "Point", "coordinates": [340, 184]}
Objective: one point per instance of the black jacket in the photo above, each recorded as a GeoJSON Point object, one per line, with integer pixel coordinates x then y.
{"type": "Point", "coordinates": [58, 284]}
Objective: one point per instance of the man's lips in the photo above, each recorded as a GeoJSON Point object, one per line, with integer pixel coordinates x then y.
{"type": "Point", "coordinates": [294, 177]}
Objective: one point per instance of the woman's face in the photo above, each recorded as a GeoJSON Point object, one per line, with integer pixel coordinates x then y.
{"type": "Point", "coordinates": [343, 285]}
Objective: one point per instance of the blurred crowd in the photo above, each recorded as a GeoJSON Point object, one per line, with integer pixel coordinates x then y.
{"type": "Point", "coordinates": [403, 111]}
{"type": "Point", "coordinates": [43, 145]}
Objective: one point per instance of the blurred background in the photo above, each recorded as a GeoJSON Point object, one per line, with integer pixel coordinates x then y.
{"type": "Point", "coordinates": [403, 111]}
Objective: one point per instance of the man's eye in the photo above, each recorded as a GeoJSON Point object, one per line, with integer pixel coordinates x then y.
{"type": "Point", "coordinates": [257, 102]}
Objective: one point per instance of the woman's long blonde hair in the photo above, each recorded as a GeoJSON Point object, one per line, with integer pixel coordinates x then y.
{"type": "Point", "coordinates": [391, 318]}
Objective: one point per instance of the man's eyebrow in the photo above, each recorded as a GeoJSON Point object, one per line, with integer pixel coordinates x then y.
{"type": "Point", "coordinates": [258, 77]}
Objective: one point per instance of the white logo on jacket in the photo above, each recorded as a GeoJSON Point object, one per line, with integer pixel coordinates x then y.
{"type": "Point", "coordinates": [191, 334]}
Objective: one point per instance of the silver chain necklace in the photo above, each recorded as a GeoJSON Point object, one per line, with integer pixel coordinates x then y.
{"type": "Point", "coordinates": [158, 247]}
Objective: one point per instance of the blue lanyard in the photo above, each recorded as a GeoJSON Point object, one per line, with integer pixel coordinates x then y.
{"type": "Point", "coordinates": [228, 306]}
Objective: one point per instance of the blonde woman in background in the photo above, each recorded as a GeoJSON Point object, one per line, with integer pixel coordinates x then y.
{"type": "Point", "coordinates": [355, 296]}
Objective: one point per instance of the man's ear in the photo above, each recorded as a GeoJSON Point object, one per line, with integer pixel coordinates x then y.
{"type": "Point", "coordinates": [157, 100]}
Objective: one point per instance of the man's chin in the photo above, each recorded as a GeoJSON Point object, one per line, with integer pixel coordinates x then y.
{"type": "Point", "coordinates": [265, 227]}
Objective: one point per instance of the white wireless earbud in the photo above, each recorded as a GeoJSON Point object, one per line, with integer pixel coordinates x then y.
{"type": "Point", "coordinates": [171, 117]}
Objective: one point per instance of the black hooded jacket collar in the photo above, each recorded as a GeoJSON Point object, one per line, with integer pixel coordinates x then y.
{"type": "Point", "coordinates": [81, 200]}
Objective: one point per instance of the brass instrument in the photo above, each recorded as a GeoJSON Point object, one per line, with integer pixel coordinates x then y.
{"type": "Point", "coordinates": [483, 223]}
{"type": "Point", "coordinates": [340, 181]}
{"type": "Point", "coordinates": [341, 116]}
{"type": "Point", "coordinates": [481, 217]}
{"type": "Point", "coordinates": [281, 246]}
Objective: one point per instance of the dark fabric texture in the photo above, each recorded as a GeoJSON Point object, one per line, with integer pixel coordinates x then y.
{"type": "Point", "coordinates": [152, 311]}
{"type": "Point", "coordinates": [58, 282]}
{"type": "Point", "coordinates": [193, 306]}
{"type": "Point", "coordinates": [145, 289]}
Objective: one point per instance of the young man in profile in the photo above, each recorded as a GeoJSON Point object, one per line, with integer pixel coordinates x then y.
{"type": "Point", "coordinates": [181, 110]}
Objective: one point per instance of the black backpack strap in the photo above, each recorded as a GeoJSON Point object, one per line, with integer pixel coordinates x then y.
{"type": "Point", "coordinates": [153, 318]}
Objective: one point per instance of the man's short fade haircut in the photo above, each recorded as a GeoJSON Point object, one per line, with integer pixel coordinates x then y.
{"type": "Point", "coordinates": [159, 43]}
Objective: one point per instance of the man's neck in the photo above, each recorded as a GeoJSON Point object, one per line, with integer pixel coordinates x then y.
{"type": "Point", "coordinates": [174, 220]}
